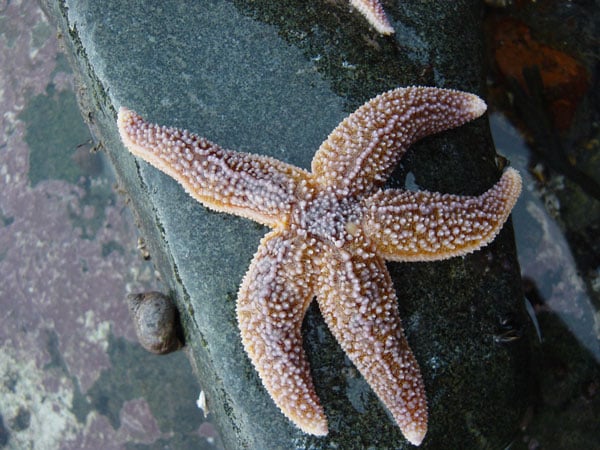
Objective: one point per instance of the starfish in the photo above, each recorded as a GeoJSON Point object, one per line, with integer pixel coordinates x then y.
{"type": "Point", "coordinates": [332, 230]}
{"type": "Point", "coordinates": [374, 13]}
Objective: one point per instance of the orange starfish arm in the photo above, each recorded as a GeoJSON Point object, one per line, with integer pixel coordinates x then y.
{"type": "Point", "coordinates": [358, 302]}
{"type": "Point", "coordinates": [364, 149]}
{"type": "Point", "coordinates": [272, 300]}
{"type": "Point", "coordinates": [256, 187]}
{"type": "Point", "coordinates": [426, 226]}
{"type": "Point", "coordinates": [374, 13]}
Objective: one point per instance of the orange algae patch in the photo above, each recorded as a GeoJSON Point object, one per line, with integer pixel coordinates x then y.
{"type": "Point", "coordinates": [565, 80]}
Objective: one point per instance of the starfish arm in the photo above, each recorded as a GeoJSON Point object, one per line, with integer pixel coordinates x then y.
{"type": "Point", "coordinates": [374, 13]}
{"type": "Point", "coordinates": [364, 148]}
{"type": "Point", "coordinates": [426, 226]}
{"type": "Point", "coordinates": [358, 302]}
{"type": "Point", "coordinates": [256, 187]}
{"type": "Point", "coordinates": [272, 301]}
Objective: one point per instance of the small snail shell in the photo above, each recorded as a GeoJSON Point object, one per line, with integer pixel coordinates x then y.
{"type": "Point", "coordinates": [156, 322]}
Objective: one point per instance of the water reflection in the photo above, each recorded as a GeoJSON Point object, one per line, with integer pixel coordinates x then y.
{"type": "Point", "coordinates": [544, 254]}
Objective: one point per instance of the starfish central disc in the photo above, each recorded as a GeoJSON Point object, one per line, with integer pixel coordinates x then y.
{"type": "Point", "coordinates": [329, 217]}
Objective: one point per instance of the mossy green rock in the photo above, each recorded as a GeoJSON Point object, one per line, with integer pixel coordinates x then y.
{"type": "Point", "coordinates": [275, 78]}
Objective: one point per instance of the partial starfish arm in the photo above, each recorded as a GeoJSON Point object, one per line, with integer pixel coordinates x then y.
{"type": "Point", "coordinates": [364, 149]}
{"type": "Point", "coordinates": [272, 300]}
{"type": "Point", "coordinates": [358, 302]}
{"type": "Point", "coordinates": [426, 226]}
{"type": "Point", "coordinates": [257, 187]}
{"type": "Point", "coordinates": [374, 13]}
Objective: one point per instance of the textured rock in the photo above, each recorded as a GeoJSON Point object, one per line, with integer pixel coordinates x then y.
{"type": "Point", "coordinates": [275, 78]}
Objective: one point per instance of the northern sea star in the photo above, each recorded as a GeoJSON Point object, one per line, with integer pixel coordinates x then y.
{"type": "Point", "coordinates": [332, 229]}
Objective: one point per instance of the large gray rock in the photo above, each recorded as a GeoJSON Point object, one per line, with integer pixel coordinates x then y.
{"type": "Point", "coordinates": [275, 78]}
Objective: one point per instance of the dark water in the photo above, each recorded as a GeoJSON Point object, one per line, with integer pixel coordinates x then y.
{"type": "Point", "coordinates": [544, 89]}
